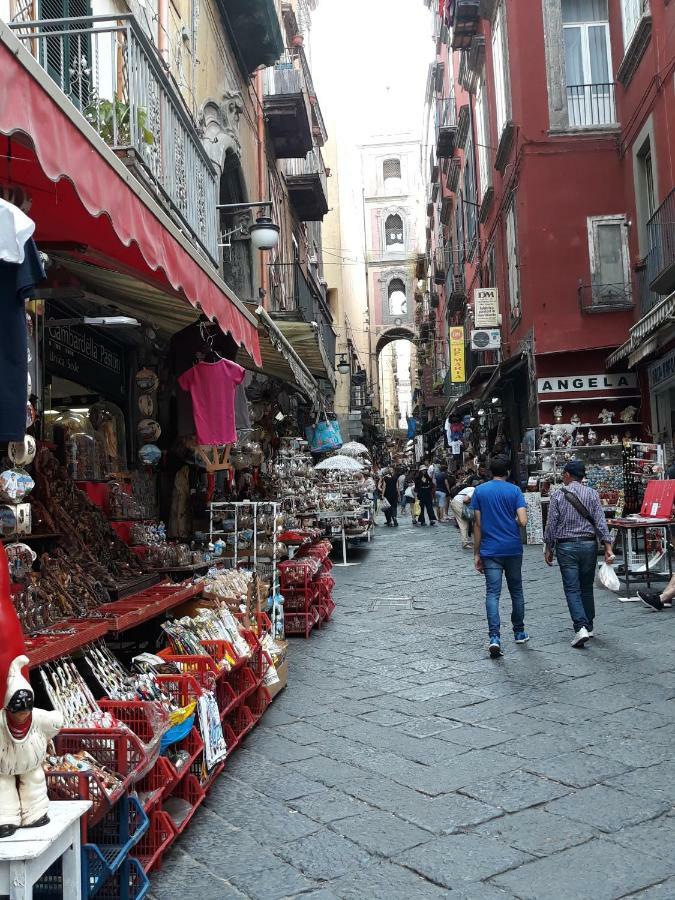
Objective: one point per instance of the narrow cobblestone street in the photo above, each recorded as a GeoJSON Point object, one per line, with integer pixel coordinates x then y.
{"type": "Point", "coordinates": [401, 762]}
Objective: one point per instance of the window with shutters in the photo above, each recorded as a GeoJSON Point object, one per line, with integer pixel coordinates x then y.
{"type": "Point", "coordinates": [391, 175]}
{"type": "Point", "coordinates": [483, 139]}
{"type": "Point", "coordinates": [398, 304]}
{"type": "Point", "coordinates": [501, 70]}
{"type": "Point", "coordinates": [470, 202]}
{"type": "Point", "coordinates": [393, 233]}
{"type": "Point", "coordinates": [513, 273]}
{"type": "Point", "coordinates": [610, 260]}
{"type": "Point", "coordinates": [67, 58]}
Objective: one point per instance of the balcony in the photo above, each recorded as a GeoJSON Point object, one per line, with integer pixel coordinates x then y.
{"type": "Point", "coordinates": [440, 266]}
{"type": "Point", "coordinates": [292, 113]}
{"type": "Point", "coordinates": [661, 255]}
{"type": "Point", "coordinates": [603, 298]}
{"type": "Point", "coordinates": [255, 31]}
{"type": "Point", "coordinates": [307, 183]}
{"type": "Point", "coordinates": [111, 73]}
{"type": "Point", "coordinates": [590, 105]}
{"type": "Point", "coordinates": [446, 127]}
{"type": "Point", "coordinates": [465, 19]}
{"type": "Point", "coordinates": [302, 304]}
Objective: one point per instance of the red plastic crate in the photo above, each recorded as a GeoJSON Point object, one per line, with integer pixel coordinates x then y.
{"type": "Point", "coordinates": [148, 721]}
{"type": "Point", "coordinates": [243, 682]}
{"type": "Point", "coordinates": [219, 651]}
{"type": "Point", "coordinates": [241, 721]}
{"type": "Point", "coordinates": [156, 784]}
{"type": "Point", "coordinates": [156, 841]}
{"type": "Point", "coordinates": [184, 689]}
{"type": "Point", "coordinates": [205, 777]}
{"type": "Point", "coordinates": [299, 623]}
{"type": "Point", "coordinates": [190, 791]}
{"type": "Point", "coordinates": [193, 745]}
{"type": "Point", "coordinates": [258, 702]}
{"type": "Point", "coordinates": [226, 696]}
{"type": "Point", "coordinates": [118, 750]}
{"type": "Point", "coordinates": [202, 668]}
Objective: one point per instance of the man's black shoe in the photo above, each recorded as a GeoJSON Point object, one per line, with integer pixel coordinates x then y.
{"type": "Point", "coordinates": [650, 599]}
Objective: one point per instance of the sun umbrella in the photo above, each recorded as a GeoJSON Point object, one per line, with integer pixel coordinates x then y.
{"type": "Point", "coordinates": [353, 448]}
{"type": "Point", "coordinates": [339, 464]}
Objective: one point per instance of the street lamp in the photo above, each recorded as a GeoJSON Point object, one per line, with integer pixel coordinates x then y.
{"type": "Point", "coordinates": [264, 233]}
{"type": "Point", "coordinates": [343, 366]}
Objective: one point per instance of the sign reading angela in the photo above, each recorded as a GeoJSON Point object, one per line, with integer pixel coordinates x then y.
{"type": "Point", "coordinates": [571, 383]}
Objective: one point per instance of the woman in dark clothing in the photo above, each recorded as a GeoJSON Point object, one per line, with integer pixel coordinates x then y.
{"type": "Point", "coordinates": [389, 490]}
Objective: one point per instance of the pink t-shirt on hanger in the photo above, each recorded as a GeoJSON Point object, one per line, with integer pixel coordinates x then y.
{"type": "Point", "coordinates": [212, 387]}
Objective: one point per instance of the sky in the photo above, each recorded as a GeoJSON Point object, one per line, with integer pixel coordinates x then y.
{"type": "Point", "coordinates": [370, 60]}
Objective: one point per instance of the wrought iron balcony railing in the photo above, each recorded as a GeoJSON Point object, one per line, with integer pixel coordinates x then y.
{"type": "Point", "coordinates": [602, 298]}
{"type": "Point", "coordinates": [291, 76]}
{"type": "Point", "coordinates": [590, 105]}
{"type": "Point", "coordinates": [311, 167]}
{"type": "Point", "coordinates": [661, 255]}
{"type": "Point", "coordinates": [446, 126]}
{"type": "Point", "coordinates": [111, 72]}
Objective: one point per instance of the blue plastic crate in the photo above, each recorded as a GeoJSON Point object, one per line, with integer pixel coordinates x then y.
{"type": "Point", "coordinates": [129, 882]}
{"type": "Point", "coordinates": [109, 842]}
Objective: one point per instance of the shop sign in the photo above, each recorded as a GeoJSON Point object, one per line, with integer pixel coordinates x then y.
{"type": "Point", "coordinates": [82, 354]}
{"type": "Point", "coordinates": [662, 370]}
{"type": "Point", "coordinates": [457, 364]}
{"type": "Point", "coordinates": [573, 383]}
{"type": "Point", "coordinates": [486, 307]}
{"type": "Point", "coordinates": [486, 339]}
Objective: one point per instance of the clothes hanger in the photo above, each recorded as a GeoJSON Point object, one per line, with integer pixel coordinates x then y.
{"type": "Point", "coordinates": [211, 355]}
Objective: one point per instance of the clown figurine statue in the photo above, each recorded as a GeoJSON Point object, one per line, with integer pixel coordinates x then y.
{"type": "Point", "coordinates": [24, 731]}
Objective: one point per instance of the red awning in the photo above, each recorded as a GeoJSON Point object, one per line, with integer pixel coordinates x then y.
{"type": "Point", "coordinates": [83, 195]}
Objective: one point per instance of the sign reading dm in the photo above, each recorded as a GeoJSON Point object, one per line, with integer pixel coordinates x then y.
{"type": "Point", "coordinates": [486, 307]}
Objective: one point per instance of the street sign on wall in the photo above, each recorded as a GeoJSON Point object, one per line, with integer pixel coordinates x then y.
{"type": "Point", "coordinates": [457, 362]}
{"type": "Point", "coordinates": [486, 307]}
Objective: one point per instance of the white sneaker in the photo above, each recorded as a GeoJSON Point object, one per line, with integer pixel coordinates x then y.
{"type": "Point", "coordinates": [580, 638]}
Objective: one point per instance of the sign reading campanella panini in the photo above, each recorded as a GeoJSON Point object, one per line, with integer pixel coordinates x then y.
{"type": "Point", "coordinates": [457, 366]}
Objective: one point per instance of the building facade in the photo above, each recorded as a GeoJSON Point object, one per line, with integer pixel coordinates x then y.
{"type": "Point", "coordinates": [541, 184]}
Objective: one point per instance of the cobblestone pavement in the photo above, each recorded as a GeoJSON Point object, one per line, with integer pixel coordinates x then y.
{"type": "Point", "coordinates": [401, 762]}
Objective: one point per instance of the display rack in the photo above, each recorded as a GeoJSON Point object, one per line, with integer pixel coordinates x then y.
{"type": "Point", "coordinates": [233, 511]}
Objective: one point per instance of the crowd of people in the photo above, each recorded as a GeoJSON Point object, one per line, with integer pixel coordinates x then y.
{"type": "Point", "coordinates": [490, 512]}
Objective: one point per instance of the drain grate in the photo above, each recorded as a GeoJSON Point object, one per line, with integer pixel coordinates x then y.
{"type": "Point", "coordinates": [391, 603]}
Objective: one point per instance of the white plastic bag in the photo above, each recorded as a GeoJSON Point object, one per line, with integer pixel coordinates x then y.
{"type": "Point", "coordinates": [385, 505]}
{"type": "Point", "coordinates": [606, 577]}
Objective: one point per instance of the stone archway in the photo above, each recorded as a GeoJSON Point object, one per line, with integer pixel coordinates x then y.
{"type": "Point", "coordinates": [395, 364]}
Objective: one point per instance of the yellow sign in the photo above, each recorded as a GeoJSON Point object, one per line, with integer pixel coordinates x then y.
{"type": "Point", "coordinates": [457, 366]}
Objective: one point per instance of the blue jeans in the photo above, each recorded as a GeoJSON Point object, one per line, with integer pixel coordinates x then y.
{"type": "Point", "coordinates": [577, 561]}
{"type": "Point", "coordinates": [510, 566]}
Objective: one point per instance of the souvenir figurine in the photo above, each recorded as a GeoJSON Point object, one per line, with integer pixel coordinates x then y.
{"type": "Point", "coordinates": [592, 436]}
{"type": "Point", "coordinates": [545, 442]}
{"type": "Point", "coordinates": [557, 414]}
{"type": "Point", "coordinates": [628, 414]}
{"type": "Point", "coordinates": [575, 420]}
{"type": "Point", "coordinates": [580, 439]}
{"type": "Point", "coordinates": [604, 442]}
{"type": "Point", "coordinates": [615, 438]}
{"type": "Point", "coordinates": [25, 732]}
{"type": "Point", "coordinates": [606, 416]}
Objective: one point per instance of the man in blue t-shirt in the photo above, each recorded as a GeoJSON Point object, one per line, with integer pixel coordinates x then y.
{"type": "Point", "coordinates": [500, 510]}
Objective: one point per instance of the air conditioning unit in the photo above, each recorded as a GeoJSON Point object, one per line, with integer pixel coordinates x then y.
{"type": "Point", "coordinates": [486, 339]}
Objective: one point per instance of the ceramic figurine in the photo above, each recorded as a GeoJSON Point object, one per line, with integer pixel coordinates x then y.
{"type": "Point", "coordinates": [24, 731]}
{"type": "Point", "coordinates": [580, 440]}
{"type": "Point", "coordinates": [575, 420]}
{"type": "Point", "coordinates": [606, 416]}
{"type": "Point", "coordinates": [545, 442]}
{"type": "Point", "coordinates": [557, 413]}
{"type": "Point", "coordinates": [592, 436]}
{"type": "Point", "coordinates": [604, 442]}
{"type": "Point", "coordinates": [628, 414]}
{"type": "Point", "coordinates": [615, 438]}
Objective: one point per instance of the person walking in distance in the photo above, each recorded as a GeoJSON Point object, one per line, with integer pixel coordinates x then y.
{"type": "Point", "coordinates": [424, 487]}
{"type": "Point", "coordinates": [500, 510]}
{"type": "Point", "coordinates": [389, 492]}
{"type": "Point", "coordinates": [459, 505]}
{"type": "Point", "coordinates": [575, 523]}
{"type": "Point", "coordinates": [443, 488]}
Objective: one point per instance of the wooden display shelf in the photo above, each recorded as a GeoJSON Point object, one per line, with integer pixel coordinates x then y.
{"type": "Point", "coordinates": [47, 647]}
{"type": "Point", "coordinates": [145, 605]}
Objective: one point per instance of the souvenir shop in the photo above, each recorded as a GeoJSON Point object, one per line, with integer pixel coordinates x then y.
{"type": "Point", "coordinates": [164, 531]}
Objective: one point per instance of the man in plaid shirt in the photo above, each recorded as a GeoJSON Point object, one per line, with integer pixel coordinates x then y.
{"type": "Point", "coordinates": [574, 537]}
